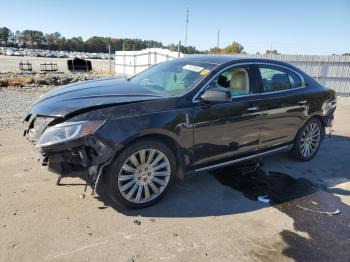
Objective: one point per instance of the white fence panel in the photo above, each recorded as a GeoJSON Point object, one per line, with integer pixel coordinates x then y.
{"type": "Point", "coordinates": [330, 71]}
{"type": "Point", "coordinates": [129, 63]}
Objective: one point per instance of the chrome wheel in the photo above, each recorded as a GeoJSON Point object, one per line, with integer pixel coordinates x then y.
{"type": "Point", "coordinates": [144, 175]}
{"type": "Point", "coordinates": [310, 140]}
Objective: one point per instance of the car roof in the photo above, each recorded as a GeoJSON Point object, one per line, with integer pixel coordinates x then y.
{"type": "Point", "coordinates": [212, 59]}
{"type": "Point", "coordinates": [223, 59]}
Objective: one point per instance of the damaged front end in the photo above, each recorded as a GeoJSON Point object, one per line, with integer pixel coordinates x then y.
{"type": "Point", "coordinates": [69, 146]}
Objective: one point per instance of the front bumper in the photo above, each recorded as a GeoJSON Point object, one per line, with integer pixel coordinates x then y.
{"type": "Point", "coordinates": [89, 154]}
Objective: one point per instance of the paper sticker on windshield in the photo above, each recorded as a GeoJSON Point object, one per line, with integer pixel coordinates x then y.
{"type": "Point", "coordinates": [193, 68]}
{"type": "Point", "coordinates": [204, 72]}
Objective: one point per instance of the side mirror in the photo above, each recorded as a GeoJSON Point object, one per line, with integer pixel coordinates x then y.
{"type": "Point", "coordinates": [216, 96]}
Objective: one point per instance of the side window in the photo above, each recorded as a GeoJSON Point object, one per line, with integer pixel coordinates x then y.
{"type": "Point", "coordinates": [235, 79]}
{"type": "Point", "coordinates": [275, 79]}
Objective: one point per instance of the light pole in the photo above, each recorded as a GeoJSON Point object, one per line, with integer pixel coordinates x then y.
{"type": "Point", "coordinates": [186, 31]}
{"type": "Point", "coordinates": [218, 43]}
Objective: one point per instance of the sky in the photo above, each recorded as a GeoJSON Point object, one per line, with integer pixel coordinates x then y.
{"type": "Point", "coordinates": [318, 27]}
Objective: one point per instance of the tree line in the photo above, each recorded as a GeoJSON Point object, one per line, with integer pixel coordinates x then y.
{"type": "Point", "coordinates": [55, 41]}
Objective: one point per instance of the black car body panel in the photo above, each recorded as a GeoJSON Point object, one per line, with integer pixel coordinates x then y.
{"type": "Point", "coordinates": [201, 134]}
{"type": "Point", "coordinates": [83, 96]}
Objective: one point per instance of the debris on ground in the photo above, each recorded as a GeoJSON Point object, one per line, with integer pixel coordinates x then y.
{"type": "Point", "coordinates": [137, 222]}
{"type": "Point", "coordinates": [336, 212]}
{"type": "Point", "coordinates": [264, 199]}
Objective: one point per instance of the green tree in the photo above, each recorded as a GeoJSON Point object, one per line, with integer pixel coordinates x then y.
{"type": "Point", "coordinates": [5, 34]}
{"type": "Point", "coordinates": [215, 50]}
{"type": "Point", "coordinates": [52, 40]}
{"type": "Point", "coordinates": [183, 49]}
{"type": "Point", "coordinates": [234, 48]}
{"type": "Point", "coordinates": [75, 44]}
{"type": "Point", "coordinates": [96, 44]}
{"type": "Point", "coordinates": [32, 38]}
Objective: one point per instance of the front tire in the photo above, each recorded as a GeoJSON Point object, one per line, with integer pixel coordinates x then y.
{"type": "Point", "coordinates": [308, 140]}
{"type": "Point", "coordinates": [141, 174]}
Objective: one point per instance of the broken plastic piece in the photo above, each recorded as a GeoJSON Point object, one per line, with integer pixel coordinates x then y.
{"type": "Point", "coordinates": [336, 212]}
{"type": "Point", "coordinates": [330, 133]}
{"type": "Point", "coordinates": [264, 199]}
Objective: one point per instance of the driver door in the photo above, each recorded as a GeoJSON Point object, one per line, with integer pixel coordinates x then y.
{"type": "Point", "coordinates": [224, 130]}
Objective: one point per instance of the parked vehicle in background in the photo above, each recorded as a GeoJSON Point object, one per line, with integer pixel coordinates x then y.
{"type": "Point", "coordinates": [11, 51]}
{"type": "Point", "coordinates": [187, 115]}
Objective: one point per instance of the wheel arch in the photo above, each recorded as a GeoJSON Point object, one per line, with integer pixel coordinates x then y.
{"type": "Point", "coordinates": [167, 139]}
{"type": "Point", "coordinates": [314, 116]}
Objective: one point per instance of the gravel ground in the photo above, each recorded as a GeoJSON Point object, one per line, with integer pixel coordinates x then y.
{"type": "Point", "coordinates": [15, 100]}
{"type": "Point", "coordinates": [27, 80]}
{"type": "Point", "coordinates": [14, 104]}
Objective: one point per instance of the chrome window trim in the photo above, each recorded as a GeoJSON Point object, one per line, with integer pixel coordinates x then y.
{"type": "Point", "coordinates": [288, 68]}
{"type": "Point", "coordinates": [194, 99]}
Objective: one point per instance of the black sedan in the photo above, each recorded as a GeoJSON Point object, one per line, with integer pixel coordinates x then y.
{"type": "Point", "coordinates": [139, 135]}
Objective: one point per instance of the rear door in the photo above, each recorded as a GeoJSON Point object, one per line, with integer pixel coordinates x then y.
{"type": "Point", "coordinates": [285, 104]}
{"type": "Point", "coordinates": [224, 130]}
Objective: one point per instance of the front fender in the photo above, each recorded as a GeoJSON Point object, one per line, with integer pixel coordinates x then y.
{"type": "Point", "coordinates": [175, 124]}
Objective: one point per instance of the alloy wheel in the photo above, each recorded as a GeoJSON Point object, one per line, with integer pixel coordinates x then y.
{"type": "Point", "coordinates": [310, 140]}
{"type": "Point", "coordinates": [144, 175]}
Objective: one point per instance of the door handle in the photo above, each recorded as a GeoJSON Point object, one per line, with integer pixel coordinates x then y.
{"type": "Point", "coordinates": [303, 102]}
{"type": "Point", "coordinates": [253, 109]}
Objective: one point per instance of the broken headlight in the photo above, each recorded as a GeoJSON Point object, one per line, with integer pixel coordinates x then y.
{"type": "Point", "coordinates": [68, 131]}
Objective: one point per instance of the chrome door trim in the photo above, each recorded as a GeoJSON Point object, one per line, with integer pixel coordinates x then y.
{"type": "Point", "coordinates": [283, 91]}
{"type": "Point", "coordinates": [238, 160]}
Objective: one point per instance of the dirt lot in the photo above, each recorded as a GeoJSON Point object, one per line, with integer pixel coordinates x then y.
{"type": "Point", "coordinates": [209, 217]}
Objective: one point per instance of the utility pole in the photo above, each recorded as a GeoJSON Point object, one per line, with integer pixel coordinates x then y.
{"type": "Point", "coordinates": [109, 58]}
{"type": "Point", "coordinates": [178, 49]}
{"type": "Point", "coordinates": [218, 43]}
{"type": "Point", "coordinates": [186, 30]}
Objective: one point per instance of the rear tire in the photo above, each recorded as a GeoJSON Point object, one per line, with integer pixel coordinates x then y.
{"type": "Point", "coordinates": [141, 174]}
{"type": "Point", "coordinates": [308, 140]}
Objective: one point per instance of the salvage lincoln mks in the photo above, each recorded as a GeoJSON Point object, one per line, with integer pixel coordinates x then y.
{"type": "Point", "coordinates": [198, 113]}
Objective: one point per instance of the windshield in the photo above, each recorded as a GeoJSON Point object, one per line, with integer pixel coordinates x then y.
{"type": "Point", "coordinates": [174, 77]}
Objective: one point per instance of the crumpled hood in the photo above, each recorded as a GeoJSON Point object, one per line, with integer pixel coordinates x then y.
{"type": "Point", "coordinates": [87, 95]}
